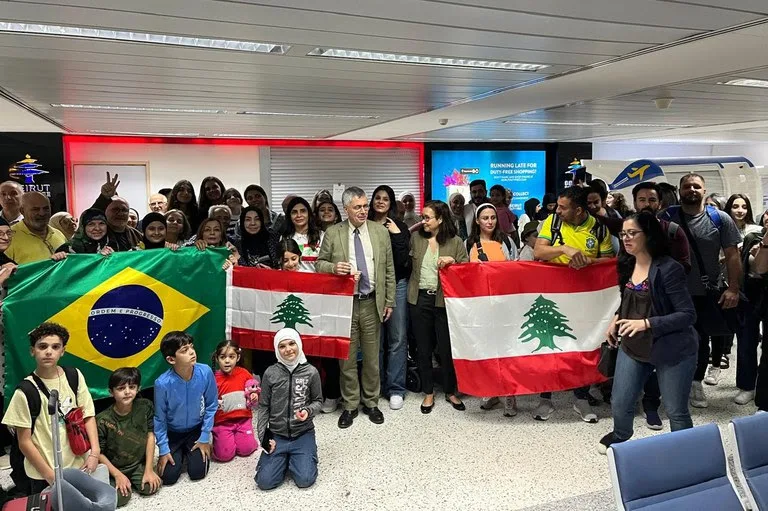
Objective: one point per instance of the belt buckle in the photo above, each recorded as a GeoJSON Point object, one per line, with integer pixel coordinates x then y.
{"type": "Point", "coordinates": [432, 292]}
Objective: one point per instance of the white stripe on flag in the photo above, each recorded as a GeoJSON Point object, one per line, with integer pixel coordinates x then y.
{"type": "Point", "coordinates": [491, 326]}
{"type": "Point", "coordinates": [330, 315]}
{"type": "Point", "coordinates": [229, 304]}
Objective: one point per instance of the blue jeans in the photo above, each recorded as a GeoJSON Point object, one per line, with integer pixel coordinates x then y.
{"type": "Point", "coordinates": [394, 338]}
{"type": "Point", "coordinates": [674, 382]}
{"type": "Point", "coordinates": [297, 456]}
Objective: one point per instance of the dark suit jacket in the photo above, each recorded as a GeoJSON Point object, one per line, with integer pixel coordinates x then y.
{"type": "Point", "coordinates": [674, 336]}
{"type": "Point", "coordinates": [335, 249]}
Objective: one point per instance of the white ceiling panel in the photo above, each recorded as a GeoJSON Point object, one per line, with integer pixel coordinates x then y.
{"type": "Point", "coordinates": [651, 47]}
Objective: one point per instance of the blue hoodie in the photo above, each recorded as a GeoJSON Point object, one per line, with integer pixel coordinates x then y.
{"type": "Point", "coordinates": [181, 406]}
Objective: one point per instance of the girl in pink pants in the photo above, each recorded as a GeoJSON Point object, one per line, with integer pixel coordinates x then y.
{"type": "Point", "coordinates": [232, 425]}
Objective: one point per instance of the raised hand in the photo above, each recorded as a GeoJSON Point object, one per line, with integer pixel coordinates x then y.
{"type": "Point", "coordinates": [109, 189]}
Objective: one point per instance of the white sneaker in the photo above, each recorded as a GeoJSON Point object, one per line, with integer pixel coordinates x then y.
{"type": "Point", "coordinates": [585, 411]}
{"type": "Point", "coordinates": [698, 398]}
{"type": "Point", "coordinates": [510, 406]}
{"type": "Point", "coordinates": [713, 376]}
{"type": "Point", "coordinates": [395, 402]}
{"type": "Point", "coordinates": [544, 411]}
{"type": "Point", "coordinates": [742, 398]}
{"type": "Point", "coordinates": [329, 405]}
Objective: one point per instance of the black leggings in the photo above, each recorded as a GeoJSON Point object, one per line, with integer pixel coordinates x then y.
{"type": "Point", "coordinates": [430, 326]}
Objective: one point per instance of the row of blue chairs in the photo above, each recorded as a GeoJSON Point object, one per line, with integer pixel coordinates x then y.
{"type": "Point", "coordinates": [688, 470]}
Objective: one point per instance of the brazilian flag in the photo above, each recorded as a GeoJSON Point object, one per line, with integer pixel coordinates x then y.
{"type": "Point", "coordinates": [117, 310]}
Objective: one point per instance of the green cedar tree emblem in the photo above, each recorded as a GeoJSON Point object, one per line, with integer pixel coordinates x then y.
{"type": "Point", "coordinates": [291, 312]}
{"type": "Point", "coordinates": [545, 323]}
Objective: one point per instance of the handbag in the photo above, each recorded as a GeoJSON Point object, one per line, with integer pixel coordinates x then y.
{"type": "Point", "coordinates": [711, 317]}
{"type": "Point", "coordinates": [607, 364]}
{"type": "Point", "coordinates": [74, 423]}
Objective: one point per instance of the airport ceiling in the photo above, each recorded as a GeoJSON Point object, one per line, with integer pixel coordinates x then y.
{"type": "Point", "coordinates": [432, 70]}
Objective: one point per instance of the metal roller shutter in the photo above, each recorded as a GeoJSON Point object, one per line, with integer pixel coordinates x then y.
{"type": "Point", "coordinates": [304, 171]}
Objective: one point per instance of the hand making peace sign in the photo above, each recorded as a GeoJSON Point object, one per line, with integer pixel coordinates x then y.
{"type": "Point", "coordinates": [109, 189]}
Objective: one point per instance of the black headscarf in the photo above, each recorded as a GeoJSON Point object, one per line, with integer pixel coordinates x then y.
{"type": "Point", "coordinates": [529, 207]}
{"type": "Point", "coordinates": [549, 198]}
{"type": "Point", "coordinates": [81, 243]}
{"type": "Point", "coordinates": [148, 219]}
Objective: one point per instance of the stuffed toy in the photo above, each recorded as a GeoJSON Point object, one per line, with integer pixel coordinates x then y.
{"type": "Point", "coordinates": [252, 392]}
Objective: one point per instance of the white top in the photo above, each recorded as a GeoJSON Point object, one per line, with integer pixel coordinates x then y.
{"type": "Point", "coordinates": [367, 248]}
{"type": "Point", "coordinates": [309, 253]}
{"type": "Point", "coordinates": [11, 222]}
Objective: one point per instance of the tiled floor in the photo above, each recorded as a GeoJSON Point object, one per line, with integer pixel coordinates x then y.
{"type": "Point", "coordinates": [447, 460]}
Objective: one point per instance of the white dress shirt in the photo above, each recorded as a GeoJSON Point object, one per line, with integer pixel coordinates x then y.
{"type": "Point", "coordinates": [367, 248]}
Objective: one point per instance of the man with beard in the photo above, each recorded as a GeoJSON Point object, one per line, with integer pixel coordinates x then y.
{"type": "Point", "coordinates": [33, 239]}
{"type": "Point", "coordinates": [116, 210]}
{"type": "Point", "coordinates": [709, 231]}
{"type": "Point", "coordinates": [478, 193]}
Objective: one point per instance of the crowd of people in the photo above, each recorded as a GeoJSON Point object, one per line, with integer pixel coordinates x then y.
{"type": "Point", "coordinates": [690, 277]}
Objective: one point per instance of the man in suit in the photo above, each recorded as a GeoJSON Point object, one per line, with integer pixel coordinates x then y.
{"type": "Point", "coordinates": [360, 246]}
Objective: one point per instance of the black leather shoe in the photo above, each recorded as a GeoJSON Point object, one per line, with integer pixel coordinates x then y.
{"type": "Point", "coordinates": [374, 414]}
{"type": "Point", "coordinates": [427, 409]}
{"type": "Point", "coordinates": [460, 406]}
{"type": "Point", "coordinates": [346, 419]}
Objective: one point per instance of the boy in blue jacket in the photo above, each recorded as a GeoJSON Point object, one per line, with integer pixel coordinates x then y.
{"type": "Point", "coordinates": [186, 401]}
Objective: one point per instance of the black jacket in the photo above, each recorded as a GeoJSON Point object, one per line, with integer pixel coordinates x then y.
{"type": "Point", "coordinates": [401, 247]}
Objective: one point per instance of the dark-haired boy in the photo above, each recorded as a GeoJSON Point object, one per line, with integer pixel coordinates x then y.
{"type": "Point", "coordinates": [186, 400]}
{"type": "Point", "coordinates": [48, 342]}
{"type": "Point", "coordinates": [126, 437]}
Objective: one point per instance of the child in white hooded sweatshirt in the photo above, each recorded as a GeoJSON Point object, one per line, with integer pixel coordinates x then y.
{"type": "Point", "coordinates": [290, 398]}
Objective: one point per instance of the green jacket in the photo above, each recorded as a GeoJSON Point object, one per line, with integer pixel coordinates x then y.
{"type": "Point", "coordinates": [335, 249]}
{"type": "Point", "coordinates": [454, 247]}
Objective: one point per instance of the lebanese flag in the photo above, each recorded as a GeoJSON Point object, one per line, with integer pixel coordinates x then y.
{"type": "Point", "coordinates": [318, 305]}
{"type": "Point", "coordinates": [524, 328]}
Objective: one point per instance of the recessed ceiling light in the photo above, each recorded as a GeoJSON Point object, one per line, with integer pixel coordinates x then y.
{"type": "Point", "coordinates": [554, 123]}
{"type": "Point", "coordinates": [644, 125]}
{"type": "Point", "coordinates": [143, 37]}
{"type": "Point", "coordinates": [748, 82]}
{"type": "Point", "coordinates": [140, 109]}
{"type": "Point", "coordinates": [426, 60]}
{"type": "Point", "coordinates": [293, 114]}
{"type": "Point", "coordinates": [143, 133]}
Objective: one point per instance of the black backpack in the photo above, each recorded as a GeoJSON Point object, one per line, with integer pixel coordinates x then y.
{"type": "Point", "coordinates": [598, 230]}
{"type": "Point", "coordinates": [31, 392]}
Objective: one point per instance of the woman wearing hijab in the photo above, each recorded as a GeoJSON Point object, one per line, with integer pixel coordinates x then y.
{"type": "Point", "coordinates": [531, 209]}
{"type": "Point", "coordinates": [64, 222]}
{"type": "Point", "coordinates": [258, 246]}
{"type": "Point", "coordinates": [154, 229]}
{"type": "Point", "coordinates": [548, 206]}
{"type": "Point", "coordinates": [456, 203]}
{"type": "Point", "coordinates": [290, 399]}
{"type": "Point", "coordinates": [183, 198]}
{"type": "Point", "coordinates": [92, 235]}
{"type": "Point", "coordinates": [394, 333]}
{"type": "Point", "coordinates": [410, 218]}
{"type": "Point", "coordinates": [300, 225]}
{"type": "Point", "coordinates": [133, 218]}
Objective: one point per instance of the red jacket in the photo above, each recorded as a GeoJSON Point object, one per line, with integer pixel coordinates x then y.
{"type": "Point", "coordinates": [231, 389]}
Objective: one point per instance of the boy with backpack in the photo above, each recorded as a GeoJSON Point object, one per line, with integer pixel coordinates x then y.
{"type": "Point", "coordinates": [27, 414]}
{"type": "Point", "coordinates": [126, 437]}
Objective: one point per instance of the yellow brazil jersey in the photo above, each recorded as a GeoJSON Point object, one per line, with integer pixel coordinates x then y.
{"type": "Point", "coordinates": [579, 237]}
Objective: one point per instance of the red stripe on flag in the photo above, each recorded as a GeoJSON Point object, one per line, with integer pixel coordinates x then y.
{"type": "Point", "coordinates": [313, 345]}
{"type": "Point", "coordinates": [292, 281]}
{"type": "Point", "coordinates": [530, 374]}
{"type": "Point", "coordinates": [513, 277]}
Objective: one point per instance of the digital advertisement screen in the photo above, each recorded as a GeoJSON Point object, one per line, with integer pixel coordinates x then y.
{"type": "Point", "coordinates": [523, 172]}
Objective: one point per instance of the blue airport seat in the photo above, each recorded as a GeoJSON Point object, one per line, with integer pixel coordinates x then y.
{"type": "Point", "coordinates": [750, 437]}
{"type": "Point", "coordinates": [679, 471]}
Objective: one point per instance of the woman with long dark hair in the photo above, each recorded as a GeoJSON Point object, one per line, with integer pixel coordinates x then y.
{"type": "Point", "coordinates": [394, 333]}
{"type": "Point", "coordinates": [211, 194]}
{"type": "Point", "coordinates": [183, 198]}
{"type": "Point", "coordinates": [434, 246]}
{"type": "Point", "coordinates": [258, 246]}
{"type": "Point", "coordinates": [653, 328]}
{"type": "Point", "coordinates": [740, 209]}
{"type": "Point", "coordinates": [300, 225]}
{"type": "Point", "coordinates": [177, 228]}
{"type": "Point", "coordinates": [488, 242]}
{"type": "Point", "coordinates": [255, 195]}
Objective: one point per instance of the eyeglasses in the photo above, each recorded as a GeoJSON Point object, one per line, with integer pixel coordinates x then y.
{"type": "Point", "coordinates": [6, 234]}
{"type": "Point", "coordinates": [427, 218]}
{"type": "Point", "coordinates": [629, 234]}
{"type": "Point", "coordinates": [364, 207]}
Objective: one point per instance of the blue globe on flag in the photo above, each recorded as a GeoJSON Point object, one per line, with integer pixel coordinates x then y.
{"type": "Point", "coordinates": [125, 320]}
